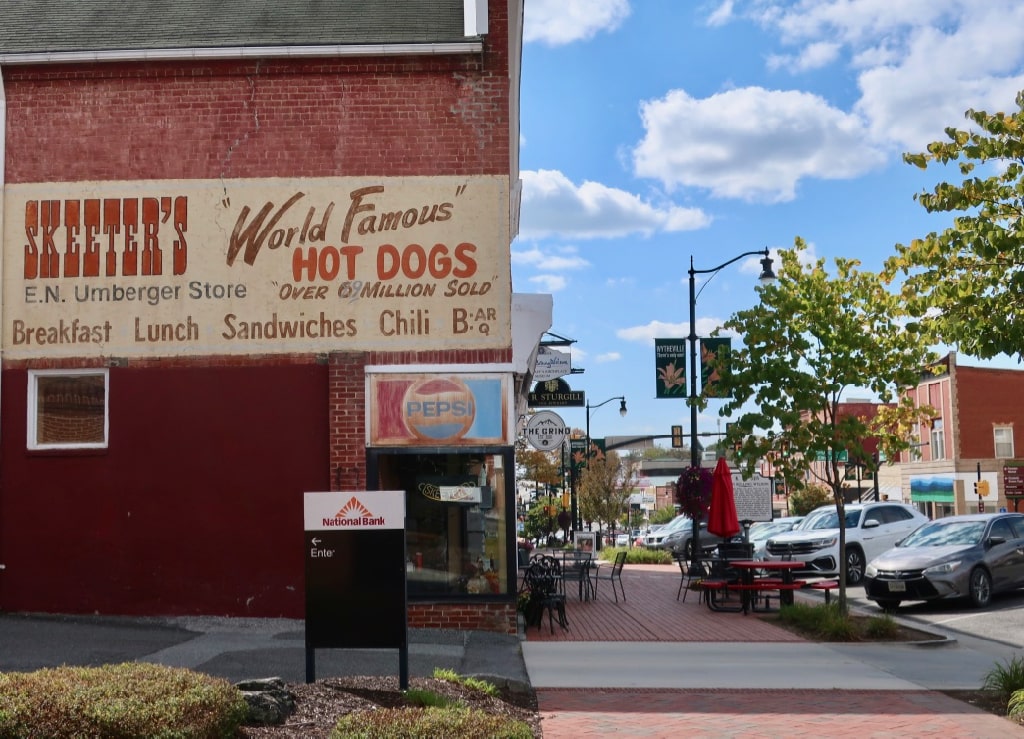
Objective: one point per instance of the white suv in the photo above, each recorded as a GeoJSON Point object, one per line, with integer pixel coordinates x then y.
{"type": "Point", "coordinates": [871, 528]}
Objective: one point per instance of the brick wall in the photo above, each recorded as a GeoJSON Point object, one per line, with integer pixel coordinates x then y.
{"type": "Point", "coordinates": [419, 116]}
{"type": "Point", "coordinates": [499, 617]}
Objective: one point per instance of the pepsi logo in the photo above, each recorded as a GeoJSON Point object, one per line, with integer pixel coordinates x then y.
{"type": "Point", "coordinates": [438, 409]}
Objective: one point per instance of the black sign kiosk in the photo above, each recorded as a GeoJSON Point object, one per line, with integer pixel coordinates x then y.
{"type": "Point", "coordinates": [355, 574]}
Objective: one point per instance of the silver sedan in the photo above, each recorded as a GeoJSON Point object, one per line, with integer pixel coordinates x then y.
{"type": "Point", "coordinates": [970, 556]}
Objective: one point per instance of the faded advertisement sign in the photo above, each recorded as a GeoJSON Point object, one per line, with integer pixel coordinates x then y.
{"type": "Point", "coordinates": [255, 266]}
{"type": "Point", "coordinates": [438, 410]}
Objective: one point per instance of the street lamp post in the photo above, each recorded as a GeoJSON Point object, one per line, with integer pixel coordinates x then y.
{"type": "Point", "coordinates": [767, 276]}
{"type": "Point", "coordinates": [576, 521]}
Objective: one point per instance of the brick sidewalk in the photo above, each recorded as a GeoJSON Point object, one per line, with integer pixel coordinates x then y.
{"type": "Point", "coordinates": [652, 613]}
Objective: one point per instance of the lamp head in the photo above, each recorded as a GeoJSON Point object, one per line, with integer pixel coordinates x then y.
{"type": "Point", "coordinates": [767, 273]}
{"type": "Point", "coordinates": [622, 407]}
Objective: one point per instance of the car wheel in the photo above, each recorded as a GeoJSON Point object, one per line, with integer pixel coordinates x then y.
{"type": "Point", "coordinates": [854, 566]}
{"type": "Point", "coordinates": [889, 606]}
{"type": "Point", "coordinates": [980, 588]}
{"type": "Point", "coordinates": [688, 550]}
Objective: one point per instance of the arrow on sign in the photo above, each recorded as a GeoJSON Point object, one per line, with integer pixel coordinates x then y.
{"type": "Point", "coordinates": [316, 542]}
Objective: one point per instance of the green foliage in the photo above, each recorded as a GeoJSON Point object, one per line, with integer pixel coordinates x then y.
{"type": "Point", "coordinates": [119, 702]}
{"type": "Point", "coordinates": [831, 623]}
{"type": "Point", "coordinates": [1016, 705]}
{"type": "Point", "coordinates": [664, 515]}
{"type": "Point", "coordinates": [429, 699]}
{"type": "Point", "coordinates": [805, 498]}
{"type": "Point", "coordinates": [474, 683]}
{"type": "Point", "coordinates": [814, 335]}
{"type": "Point", "coordinates": [1006, 678]}
{"type": "Point", "coordinates": [965, 282]}
{"type": "Point", "coordinates": [638, 555]}
{"type": "Point", "coordinates": [428, 723]}
{"type": "Point", "coordinates": [604, 487]}
{"type": "Point", "coordinates": [881, 627]}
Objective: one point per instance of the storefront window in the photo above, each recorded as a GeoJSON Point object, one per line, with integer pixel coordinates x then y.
{"type": "Point", "coordinates": [456, 530]}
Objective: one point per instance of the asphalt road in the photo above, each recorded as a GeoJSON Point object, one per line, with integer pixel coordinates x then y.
{"type": "Point", "coordinates": [999, 623]}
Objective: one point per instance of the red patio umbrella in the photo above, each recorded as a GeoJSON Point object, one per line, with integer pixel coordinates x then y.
{"type": "Point", "coordinates": [722, 518]}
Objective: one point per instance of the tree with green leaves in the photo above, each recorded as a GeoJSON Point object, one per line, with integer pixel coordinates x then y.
{"type": "Point", "coordinates": [815, 336]}
{"type": "Point", "coordinates": [604, 487]}
{"type": "Point", "coordinates": [968, 280]}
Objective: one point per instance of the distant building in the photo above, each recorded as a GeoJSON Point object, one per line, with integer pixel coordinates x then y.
{"type": "Point", "coordinates": [964, 460]}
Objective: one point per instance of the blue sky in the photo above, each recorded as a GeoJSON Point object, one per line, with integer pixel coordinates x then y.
{"type": "Point", "coordinates": [653, 131]}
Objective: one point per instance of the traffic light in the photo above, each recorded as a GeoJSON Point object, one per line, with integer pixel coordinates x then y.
{"type": "Point", "coordinates": [677, 437]}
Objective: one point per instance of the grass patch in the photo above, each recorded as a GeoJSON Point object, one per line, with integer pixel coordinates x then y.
{"type": "Point", "coordinates": [122, 701]}
{"type": "Point", "coordinates": [828, 623]}
{"type": "Point", "coordinates": [429, 723]}
{"type": "Point", "coordinates": [477, 684]}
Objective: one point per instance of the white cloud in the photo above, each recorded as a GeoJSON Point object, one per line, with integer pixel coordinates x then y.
{"type": "Point", "coordinates": [648, 332]}
{"type": "Point", "coordinates": [549, 283]}
{"type": "Point", "coordinates": [559, 22]}
{"type": "Point", "coordinates": [607, 357]}
{"type": "Point", "coordinates": [552, 205]}
{"type": "Point", "coordinates": [751, 143]}
{"type": "Point", "coordinates": [566, 259]}
{"type": "Point", "coordinates": [721, 15]}
{"type": "Point", "coordinates": [811, 57]}
{"type": "Point", "coordinates": [920, 63]}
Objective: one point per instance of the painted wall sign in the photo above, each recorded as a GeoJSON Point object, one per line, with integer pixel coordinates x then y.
{"type": "Point", "coordinates": [247, 266]}
{"type": "Point", "coordinates": [438, 410]}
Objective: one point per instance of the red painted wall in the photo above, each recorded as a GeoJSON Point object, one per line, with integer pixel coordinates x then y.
{"type": "Point", "coordinates": [195, 507]}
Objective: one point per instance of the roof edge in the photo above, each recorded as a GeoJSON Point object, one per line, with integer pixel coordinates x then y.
{"type": "Point", "coordinates": [242, 52]}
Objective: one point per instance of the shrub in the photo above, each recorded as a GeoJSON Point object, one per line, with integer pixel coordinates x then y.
{"type": "Point", "coordinates": [428, 723]}
{"type": "Point", "coordinates": [881, 627]}
{"type": "Point", "coordinates": [119, 702]}
{"type": "Point", "coordinates": [1006, 678]}
{"type": "Point", "coordinates": [638, 555]}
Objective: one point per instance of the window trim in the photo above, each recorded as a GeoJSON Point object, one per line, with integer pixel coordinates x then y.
{"type": "Point", "coordinates": [32, 408]}
{"type": "Point", "coordinates": [996, 443]}
{"type": "Point", "coordinates": [937, 435]}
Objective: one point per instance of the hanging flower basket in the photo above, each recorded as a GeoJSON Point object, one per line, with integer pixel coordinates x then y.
{"type": "Point", "coordinates": [693, 492]}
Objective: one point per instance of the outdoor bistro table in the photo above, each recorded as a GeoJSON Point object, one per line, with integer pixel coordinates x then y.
{"type": "Point", "coordinates": [751, 585]}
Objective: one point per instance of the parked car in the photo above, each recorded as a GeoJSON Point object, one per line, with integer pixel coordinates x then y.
{"type": "Point", "coordinates": [622, 540]}
{"type": "Point", "coordinates": [871, 528]}
{"type": "Point", "coordinates": [761, 531]}
{"type": "Point", "coordinates": [675, 536]}
{"type": "Point", "coordinates": [655, 538]}
{"type": "Point", "coordinates": [969, 556]}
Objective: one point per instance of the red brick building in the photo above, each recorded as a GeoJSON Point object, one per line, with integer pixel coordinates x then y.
{"type": "Point", "coordinates": [965, 459]}
{"type": "Point", "coordinates": [256, 254]}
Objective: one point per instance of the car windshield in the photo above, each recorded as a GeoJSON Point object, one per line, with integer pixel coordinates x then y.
{"type": "Point", "coordinates": [761, 532]}
{"type": "Point", "coordinates": [829, 520]}
{"type": "Point", "coordinates": [674, 524]}
{"type": "Point", "coordinates": [946, 533]}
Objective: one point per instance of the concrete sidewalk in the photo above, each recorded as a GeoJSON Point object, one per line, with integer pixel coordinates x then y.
{"type": "Point", "coordinates": [239, 648]}
{"type": "Point", "coordinates": [651, 666]}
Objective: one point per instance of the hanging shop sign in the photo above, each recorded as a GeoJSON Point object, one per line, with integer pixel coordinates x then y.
{"type": "Point", "coordinates": [546, 431]}
{"type": "Point", "coordinates": [407, 409]}
{"type": "Point", "coordinates": [551, 364]}
{"type": "Point", "coordinates": [555, 393]}
{"type": "Point", "coordinates": [255, 266]}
